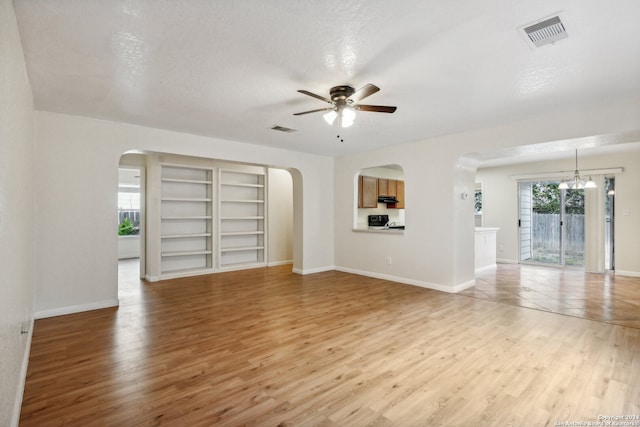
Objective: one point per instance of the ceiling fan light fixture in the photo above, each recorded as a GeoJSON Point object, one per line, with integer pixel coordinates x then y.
{"type": "Point", "coordinates": [348, 116]}
{"type": "Point", "coordinates": [330, 117]}
{"type": "Point", "coordinates": [344, 102]}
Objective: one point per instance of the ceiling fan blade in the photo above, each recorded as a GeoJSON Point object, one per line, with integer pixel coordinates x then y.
{"type": "Point", "coordinates": [321, 98]}
{"type": "Point", "coordinates": [313, 111]}
{"type": "Point", "coordinates": [376, 108]}
{"type": "Point", "coordinates": [363, 92]}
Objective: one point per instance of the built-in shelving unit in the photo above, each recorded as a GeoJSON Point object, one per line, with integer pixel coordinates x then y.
{"type": "Point", "coordinates": [242, 237]}
{"type": "Point", "coordinates": [186, 198]}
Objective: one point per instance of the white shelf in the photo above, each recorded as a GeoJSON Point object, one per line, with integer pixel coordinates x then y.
{"type": "Point", "coordinates": [231, 184]}
{"type": "Point", "coordinates": [242, 248]}
{"type": "Point", "coordinates": [185, 253]}
{"type": "Point", "coordinates": [187, 217]}
{"type": "Point", "coordinates": [185, 199]}
{"type": "Point", "coordinates": [234, 218]}
{"type": "Point", "coordinates": [185, 236]}
{"type": "Point", "coordinates": [242, 265]}
{"type": "Point", "coordinates": [242, 233]}
{"type": "Point", "coordinates": [186, 181]}
{"type": "Point", "coordinates": [184, 272]}
{"type": "Point", "coordinates": [243, 199]}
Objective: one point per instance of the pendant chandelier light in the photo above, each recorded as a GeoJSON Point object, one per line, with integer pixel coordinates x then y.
{"type": "Point", "coordinates": [576, 183]}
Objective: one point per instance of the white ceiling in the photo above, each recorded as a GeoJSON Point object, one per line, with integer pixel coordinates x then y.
{"type": "Point", "coordinates": [231, 69]}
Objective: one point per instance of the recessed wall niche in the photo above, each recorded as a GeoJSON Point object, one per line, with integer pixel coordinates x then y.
{"type": "Point", "coordinates": [379, 190]}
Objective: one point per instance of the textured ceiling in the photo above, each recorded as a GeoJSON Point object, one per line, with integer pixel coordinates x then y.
{"type": "Point", "coordinates": [230, 69]}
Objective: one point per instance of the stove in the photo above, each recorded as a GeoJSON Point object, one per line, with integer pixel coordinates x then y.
{"type": "Point", "coordinates": [378, 221]}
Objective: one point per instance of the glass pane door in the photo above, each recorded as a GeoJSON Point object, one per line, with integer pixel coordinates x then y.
{"type": "Point", "coordinates": [573, 227]}
{"type": "Point", "coordinates": [609, 263]}
{"type": "Point", "coordinates": [546, 233]}
{"type": "Point", "coordinates": [551, 224]}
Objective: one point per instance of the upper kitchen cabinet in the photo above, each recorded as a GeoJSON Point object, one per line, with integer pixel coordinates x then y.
{"type": "Point", "coordinates": [383, 187]}
{"type": "Point", "coordinates": [367, 192]}
{"type": "Point", "coordinates": [399, 195]}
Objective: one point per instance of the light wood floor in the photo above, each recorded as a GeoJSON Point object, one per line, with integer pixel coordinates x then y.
{"type": "Point", "coordinates": [602, 297]}
{"type": "Point", "coordinates": [268, 347]}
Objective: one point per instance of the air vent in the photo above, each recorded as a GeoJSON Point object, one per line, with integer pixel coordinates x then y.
{"type": "Point", "coordinates": [544, 32]}
{"type": "Point", "coordinates": [283, 129]}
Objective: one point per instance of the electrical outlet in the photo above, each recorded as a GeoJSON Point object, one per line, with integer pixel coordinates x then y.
{"type": "Point", "coordinates": [388, 260]}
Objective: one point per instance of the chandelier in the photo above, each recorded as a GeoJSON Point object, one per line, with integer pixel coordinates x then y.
{"type": "Point", "coordinates": [576, 183]}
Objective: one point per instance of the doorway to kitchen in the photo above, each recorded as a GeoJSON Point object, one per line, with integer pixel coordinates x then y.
{"type": "Point", "coordinates": [551, 224]}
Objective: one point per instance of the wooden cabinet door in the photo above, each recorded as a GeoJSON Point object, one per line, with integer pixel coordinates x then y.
{"type": "Point", "coordinates": [392, 187]}
{"type": "Point", "coordinates": [383, 187]}
{"type": "Point", "coordinates": [400, 194]}
{"type": "Point", "coordinates": [368, 188]}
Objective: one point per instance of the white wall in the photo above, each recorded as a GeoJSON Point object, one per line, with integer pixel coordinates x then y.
{"type": "Point", "coordinates": [500, 202]}
{"type": "Point", "coordinates": [280, 214]}
{"type": "Point", "coordinates": [77, 177]}
{"type": "Point", "coordinates": [16, 216]}
{"type": "Point", "coordinates": [436, 249]}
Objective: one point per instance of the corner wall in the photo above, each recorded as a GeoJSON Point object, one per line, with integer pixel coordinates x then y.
{"type": "Point", "coordinates": [16, 217]}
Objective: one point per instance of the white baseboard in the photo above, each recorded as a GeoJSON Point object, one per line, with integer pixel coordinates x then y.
{"type": "Point", "coordinates": [42, 314]}
{"type": "Point", "coordinates": [506, 261]}
{"type": "Point", "coordinates": [149, 278]}
{"type": "Point", "coordinates": [627, 273]}
{"type": "Point", "coordinates": [420, 283]}
{"type": "Point", "coordinates": [313, 270]}
{"type": "Point", "coordinates": [463, 286]}
{"type": "Point", "coordinates": [485, 268]}
{"type": "Point", "coordinates": [17, 406]}
{"type": "Point", "coordinates": [276, 263]}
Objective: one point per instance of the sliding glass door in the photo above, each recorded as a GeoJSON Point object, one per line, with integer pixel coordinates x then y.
{"type": "Point", "coordinates": [551, 224]}
{"type": "Point", "coordinates": [609, 214]}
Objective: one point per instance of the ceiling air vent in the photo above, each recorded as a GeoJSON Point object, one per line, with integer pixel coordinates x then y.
{"type": "Point", "coordinates": [283, 129]}
{"type": "Point", "coordinates": [544, 32]}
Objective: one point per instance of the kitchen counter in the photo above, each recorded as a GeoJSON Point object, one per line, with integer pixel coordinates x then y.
{"type": "Point", "coordinates": [382, 230]}
{"type": "Point", "coordinates": [485, 248]}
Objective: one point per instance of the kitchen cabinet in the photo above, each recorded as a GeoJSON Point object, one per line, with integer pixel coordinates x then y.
{"type": "Point", "coordinates": [392, 188]}
{"type": "Point", "coordinates": [368, 192]}
{"type": "Point", "coordinates": [399, 195]}
{"type": "Point", "coordinates": [387, 187]}
{"type": "Point", "coordinates": [383, 187]}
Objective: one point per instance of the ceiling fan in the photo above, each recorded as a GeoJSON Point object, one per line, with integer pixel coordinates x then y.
{"type": "Point", "coordinates": [344, 103]}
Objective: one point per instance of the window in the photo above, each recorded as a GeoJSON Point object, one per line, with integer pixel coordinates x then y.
{"type": "Point", "coordinates": [129, 202]}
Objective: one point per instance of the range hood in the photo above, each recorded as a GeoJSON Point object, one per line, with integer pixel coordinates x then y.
{"type": "Point", "coordinates": [387, 199]}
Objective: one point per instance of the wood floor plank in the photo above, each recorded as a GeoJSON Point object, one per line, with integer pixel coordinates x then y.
{"type": "Point", "coordinates": [268, 347]}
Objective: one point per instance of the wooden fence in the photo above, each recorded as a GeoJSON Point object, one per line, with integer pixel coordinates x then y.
{"type": "Point", "coordinates": [546, 232]}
